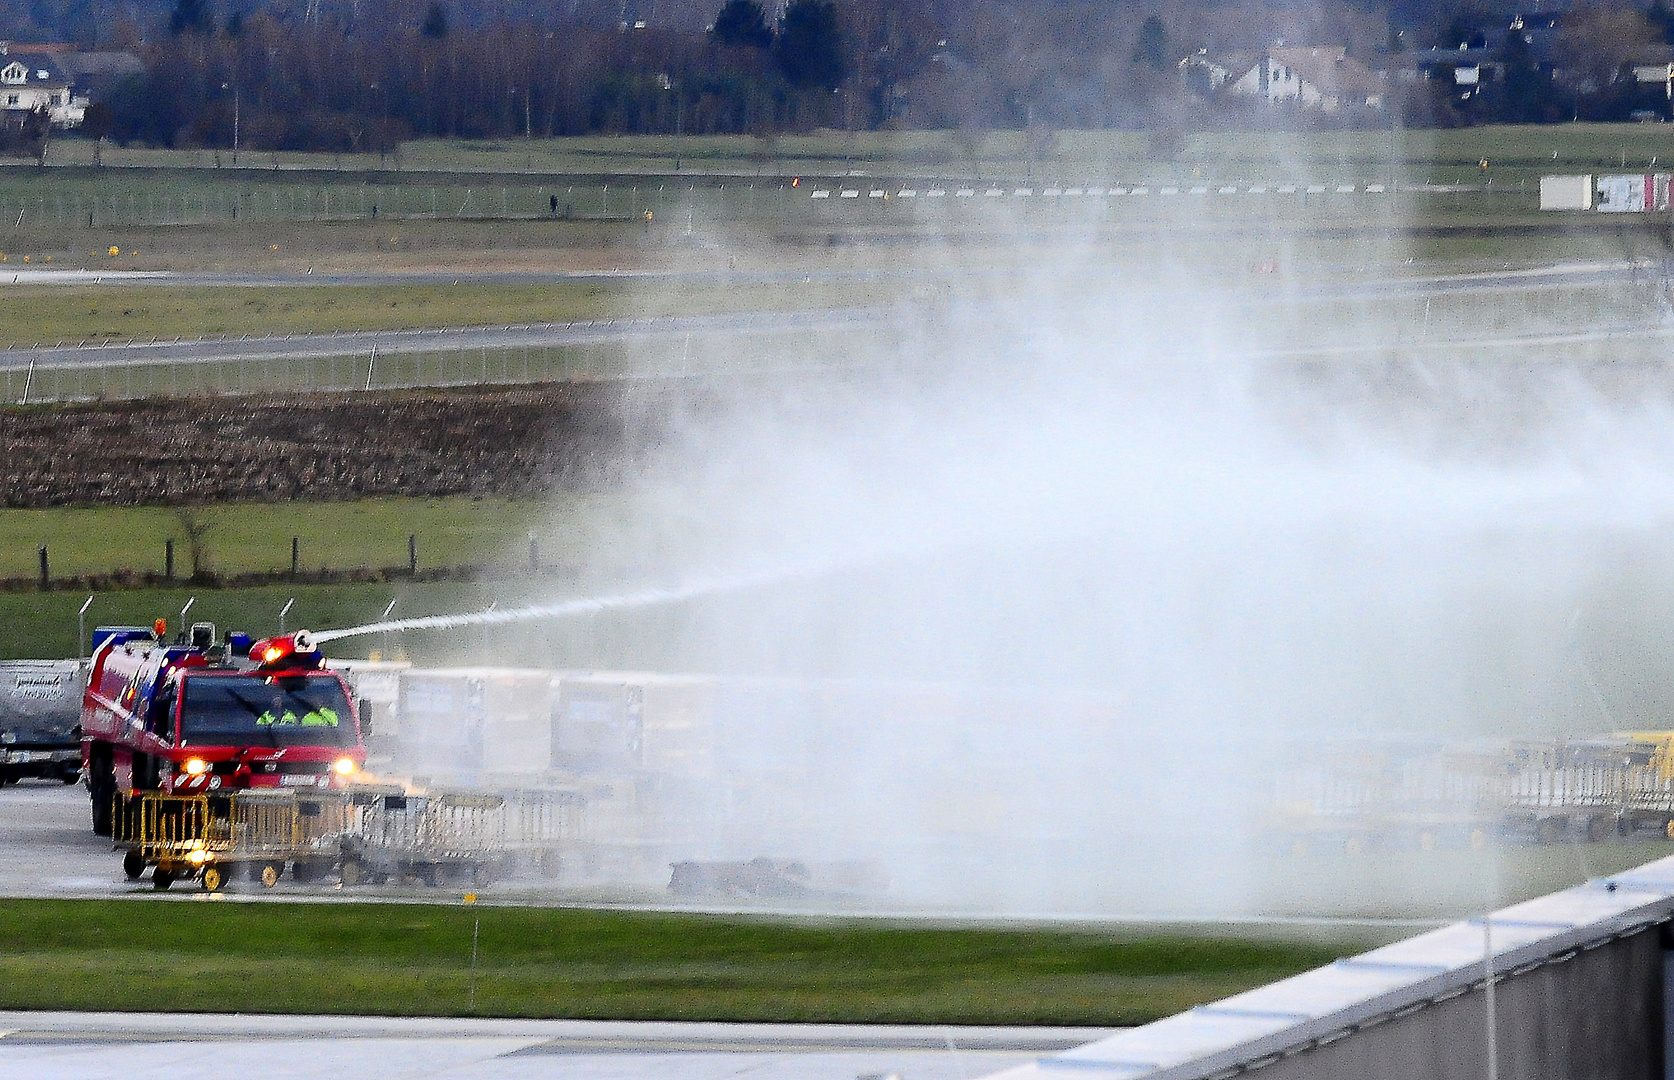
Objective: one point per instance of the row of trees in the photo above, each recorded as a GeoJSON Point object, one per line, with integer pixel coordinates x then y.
{"type": "Point", "coordinates": [290, 83]}
{"type": "Point", "coordinates": [358, 75]}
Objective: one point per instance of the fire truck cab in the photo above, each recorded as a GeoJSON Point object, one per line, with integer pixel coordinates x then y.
{"type": "Point", "coordinates": [195, 717]}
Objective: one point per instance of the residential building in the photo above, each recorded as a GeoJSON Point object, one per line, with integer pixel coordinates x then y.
{"type": "Point", "coordinates": [59, 78]}
{"type": "Point", "coordinates": [1322, 77]}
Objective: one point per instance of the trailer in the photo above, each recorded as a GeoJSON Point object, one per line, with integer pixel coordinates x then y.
{"type": "Point", "coordinates": [40, 719]}
{"type": "Point", "coordinates": [544, 828]}
{"type": "Point", "coordinates": [436, 838]}
{"type": "Point", "coordinates": [1354, 796]}
{"type": "Point", "coordinates": [213, 839]}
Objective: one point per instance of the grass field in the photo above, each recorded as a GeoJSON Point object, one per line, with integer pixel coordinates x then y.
{"type": "Point", "coordinates": [412, 960]}
{"type": "Point", "coordinates": [498, 205]}
{"type": "Point", "coordinates": [119, 313]}
{"type": "Point", "coordinates": [492, 533]}
{"type": "Point", "coordinates": [1432, 155]}
{"type": "Point", "coordinates": [333, 535]}
{"type": "Point", "coordinates": [43, 625]}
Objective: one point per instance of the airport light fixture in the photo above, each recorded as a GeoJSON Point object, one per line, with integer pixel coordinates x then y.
{"type": "Point", "coordinates": [81, 629]}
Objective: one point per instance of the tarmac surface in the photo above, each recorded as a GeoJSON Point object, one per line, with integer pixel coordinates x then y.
{"type": "Point", "coordinates": [357, 343]}
{"type": "Point", "coordinates": [134, 1046]}
{"type": "Point", "coordinates": [47, 846]}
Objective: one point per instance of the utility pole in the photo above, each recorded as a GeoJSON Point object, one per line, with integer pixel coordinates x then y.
{"type": "Point", "coordinates": [234, 88]}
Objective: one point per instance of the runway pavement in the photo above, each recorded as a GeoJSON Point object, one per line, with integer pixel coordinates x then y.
{"type": "Point", "coordinates": [134, 1046]}
{"type": "Point", "coordinates": [273, 347]}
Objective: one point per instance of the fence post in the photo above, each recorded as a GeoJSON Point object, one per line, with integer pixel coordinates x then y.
{"type": "Point", "coordinates": [45, 577]}
{"type": "Point", "coordinates": [168, 560]}
{"type": "Point", "coordinates": [295, 549]}
{"type": "Point", "coordinates": [534, 555]}
{"type": "Point", "coordinates": [412, 554]}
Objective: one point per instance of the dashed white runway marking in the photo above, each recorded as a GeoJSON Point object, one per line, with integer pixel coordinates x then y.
{"type": "Point", "coordinates": [1098, 192]}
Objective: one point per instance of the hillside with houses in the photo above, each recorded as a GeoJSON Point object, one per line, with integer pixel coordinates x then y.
{"type": "Point", "coordinates": [368, 75]}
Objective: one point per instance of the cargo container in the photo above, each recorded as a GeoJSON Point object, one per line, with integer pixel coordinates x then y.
{"type": "Point", "coordinates": [1632, 193]}
{"type": "Point", "coordinates": [40, 719]}
{"type": "Point", "coordinates": [376, 688]}
{"type": "Point", "coordinates": [1566, 192]}
{"type": "Point", "coordinates": [472, 725]}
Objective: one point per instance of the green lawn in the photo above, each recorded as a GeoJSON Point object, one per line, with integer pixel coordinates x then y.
{"type": "Point", "coordinates": [43, 625]}
{"type": "Point", "coordinates": [119, 313]}
{"type": "Point", "coordinates": [416, 960]}
{"type": "Point", "coordinates": [369, 533]}
{"type": "Point", "coordinates": [457, 531]}
{"type": "Point", "coordinates": [1566, 146]}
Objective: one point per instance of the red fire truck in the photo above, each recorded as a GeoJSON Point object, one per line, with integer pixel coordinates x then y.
{"type": "Point", "coordinates": [197, 717]}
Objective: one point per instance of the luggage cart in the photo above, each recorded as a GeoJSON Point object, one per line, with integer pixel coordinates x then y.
{"type": "Point", "coordinates": [436, 838]}
{"type": "Point", "coordinates": [210, 837]}
{"type": "Point", "coordinates": [543, 826]}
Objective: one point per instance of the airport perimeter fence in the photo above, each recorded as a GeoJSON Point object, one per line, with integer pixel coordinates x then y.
{"type": "Point", "coordinates": [139, 202]}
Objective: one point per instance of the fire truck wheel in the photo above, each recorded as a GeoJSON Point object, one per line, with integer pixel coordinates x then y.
{"type": "Point", "coordinates": [212, 879]}
{"type": "Point", "coordinates": [133, 865]}
{"type": "Point", "coordinates": [101, 787]}
{"type": "Point", "coordinates": [353, 873]}
{"type": "Point", "coordinates": [162, 878]}
{"type": "Point", "coordinates": [270, 875]}
{"type": "Point", "coordinates": [304, 871]}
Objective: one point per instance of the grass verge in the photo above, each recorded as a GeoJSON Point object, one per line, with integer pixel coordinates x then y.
{"type": "Point", "coordinates": [98, 313]}
{"type": "Point", "coordinates": [34, 625]}
{"type": "Point", "coordinates": [544, 962]}
{"type": "Point", "coordinates": [255, 537]}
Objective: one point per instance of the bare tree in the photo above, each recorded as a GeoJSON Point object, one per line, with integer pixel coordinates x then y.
{"type": "Point", "coordinates": [1598, 40]}
{"type": "Point", "coordinates": [199, 525]}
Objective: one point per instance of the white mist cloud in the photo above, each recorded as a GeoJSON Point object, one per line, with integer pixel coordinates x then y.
{"type": "Point", "coordinates": [1085, 562]}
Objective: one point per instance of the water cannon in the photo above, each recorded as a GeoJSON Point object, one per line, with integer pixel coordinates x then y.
{"type": "Point", "coordinates": [295, 650]}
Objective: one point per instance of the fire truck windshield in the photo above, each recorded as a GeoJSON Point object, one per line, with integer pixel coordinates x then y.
{"type": "Point", "coordinates": [291, 710]}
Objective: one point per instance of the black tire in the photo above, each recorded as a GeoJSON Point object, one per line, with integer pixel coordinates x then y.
{"type": "Point", "coordinates": [101, 787]}
{"type": "Point", "coordinates": [133, 865]}
{"type": "Point", "coordinates": [161, 878]}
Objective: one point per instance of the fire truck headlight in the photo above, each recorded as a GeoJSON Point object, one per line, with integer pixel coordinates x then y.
{"type": "Point", "coordinates": [197, 856]}
{"type": "Point", "coordinates": [196, 766]}
{"type": "Point", "coordinates": [345, 766]}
